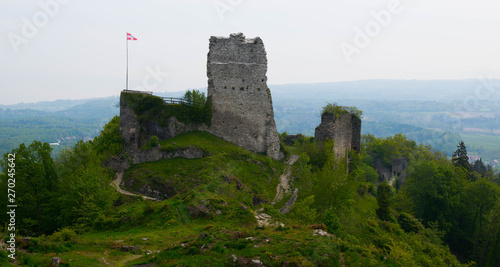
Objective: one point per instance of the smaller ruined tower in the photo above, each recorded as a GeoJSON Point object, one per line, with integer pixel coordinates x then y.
{"type": "Point", "coordinates": [343, 129]}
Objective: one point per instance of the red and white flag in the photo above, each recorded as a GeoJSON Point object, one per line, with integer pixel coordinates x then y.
{"type": "Point", "coordinates": [131, 37]}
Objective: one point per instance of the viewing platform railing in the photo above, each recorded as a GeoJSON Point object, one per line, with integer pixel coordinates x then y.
{"type": "Point", "coordinates": [176, 100]}
{"type": "Point", "coordinates": [137, 92]}
{"type": "Point", "coordinates": [167, 100]}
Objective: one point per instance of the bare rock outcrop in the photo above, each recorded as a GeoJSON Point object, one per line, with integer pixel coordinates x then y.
{"type": "Point", "coordinates": [289, 204]}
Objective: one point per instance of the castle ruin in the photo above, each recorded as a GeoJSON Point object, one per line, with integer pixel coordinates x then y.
{"type": "Point", "coordinates": [343, 129]}
{"type": "Point", "coordinates": [242, 111]}
{"type": "Point", "coordinates": [242, 105]}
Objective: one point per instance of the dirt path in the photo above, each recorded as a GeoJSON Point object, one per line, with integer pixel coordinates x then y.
{"type": "Point", "coordinates": [116, 184]}
{"type": "Point", "coordinates": [283, 187]}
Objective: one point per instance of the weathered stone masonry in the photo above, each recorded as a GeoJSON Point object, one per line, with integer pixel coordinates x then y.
{"type": "Point", "coordinates": [242, 111]}
{"type": "Point", "coordinates": [242, 105]}
{"type": "Point", "coordinates": [344, 130]}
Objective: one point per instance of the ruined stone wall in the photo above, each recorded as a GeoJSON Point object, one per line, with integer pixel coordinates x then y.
{"type": "Point", "coordinates": [129, 126]}
{"type": "Point", "coordinates": [136, 134]}
{"type": "Point", "coordinates": [241, 101]}
{"type": "Point", "coordinates": [242, 105]}
{"type": "Point", "coordinates": [399, 167]}
{"type": "Point", "coordinates": [344, 130]}
{"type": "Point", "coordinates": [384, 172]}
{"type": "Point", "coordinates": [390, 174]}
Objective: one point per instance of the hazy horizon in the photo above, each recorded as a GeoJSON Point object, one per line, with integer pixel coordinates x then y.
{"type": "Point", "coordinates": [469, 91]}
{"type": "Point", "coordinates": [55, 49]}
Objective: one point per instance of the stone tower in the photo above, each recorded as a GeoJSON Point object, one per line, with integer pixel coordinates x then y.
{"type": "Point", "coordinates": [242, 105]}
{"type": "Point", "coordinates": [343, 129]}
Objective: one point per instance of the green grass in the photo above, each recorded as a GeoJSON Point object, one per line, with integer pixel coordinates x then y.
{"type": "Point", "coordinates": [225, 163]}
{"type": "Point", "coordinates": [362, 240]}
{"type": "Point", "coordinates": [486, 142]}
{"type": "Point", "coordinates": [485, 146]}
{"type": "Point", "coordinates": [223, 186]}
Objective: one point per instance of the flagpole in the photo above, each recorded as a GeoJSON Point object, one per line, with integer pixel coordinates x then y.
{"type": "Point", "coordinates": [126, 88]}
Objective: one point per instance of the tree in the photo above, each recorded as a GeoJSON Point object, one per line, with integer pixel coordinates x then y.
{"type": "Point", "coordinates": [491, 238]}
{"type": "Point", "coordinates": [200, 107]}
{"type": "Point", "coordinates": [480, 199]}
{"type": "Point", "coordinates": [384, 193]}
{"type": "Point", "coordinates": [393, 147]}
{"type": "Point", "coordinates": [85, 186]}
{"type": "Point", "coordinates": [433, 187]}
{"type": "Point", "coordinates": [109, 142]}
{"type": "Point", "coordinates": [35, 185]}
{"type": "Point", "coordinates": [479, 167]}
{"type": "Point", "coordinates": [460, 158]}
{"type": "Point", "coordinates": [332, 188]}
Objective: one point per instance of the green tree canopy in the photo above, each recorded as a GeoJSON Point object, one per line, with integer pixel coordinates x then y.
{"type": "Point", "coordinates": [460, 158]}
{"type": "Point", "coordinates": [334, 109]}
{"type": "Point", "coordinates": [85, 186]}
{"type": "Point", "coordinates": [35, 184]}
{"type": "Point", "coordinates": [384, 194]}
{"type": "Point", "coordinates": [200, 107]}
{"type": "Point", "coordinates": [109, 142]}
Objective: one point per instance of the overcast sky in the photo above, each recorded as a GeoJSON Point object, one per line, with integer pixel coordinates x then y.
{"type": "Point", "coordinates": [73, 49]}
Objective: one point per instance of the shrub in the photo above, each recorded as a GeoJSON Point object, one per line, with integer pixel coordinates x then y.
{"type": "Point", "coordinates": [384, 202]}
{"type": "Point", "coordinates": [4, 258]}
{"type": "Point", "coordinates": [366, 188]}
{"type": "Point", "coordinates": [384, 242]}
{"type": "Point", "coordinates": [409, 223]}
{"type": "Point", "coordinates": [153, 142]}
{"type": "Point", "coordinates": [192, 251]}
{"type": "Point", "coordinates": [371, 189]}
{"type": "Point", "coordinates": [334, 109]}
{"type": "Point", "coordinates": [372, 222]}
{"type": "Point", "coordinates": [331, 220]}
{"type": "Point", "coordinates": [64, 235]}
{"type": "Point", "coordinates": [303, 212]}
{"type": "Point", "coordinates": [149, 208]}
{"type": "Point", "coordinates": [149, 107]}
{"type": "Point", "coordinates": [103, 222]}
{"type": "Point", "coordinates": [200, 108]}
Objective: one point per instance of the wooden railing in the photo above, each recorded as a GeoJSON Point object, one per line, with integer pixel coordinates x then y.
{"type": "Point", "coordinates": [137, 92]}
{"type": "Point", "coordinates": [176, 100]}
{"type": "Point", "coordinates": [167, 100]}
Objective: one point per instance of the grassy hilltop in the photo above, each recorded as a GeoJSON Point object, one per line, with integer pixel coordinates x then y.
{"type": "Point", "coordinates": [226, 208]}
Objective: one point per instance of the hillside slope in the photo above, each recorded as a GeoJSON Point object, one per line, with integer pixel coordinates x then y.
{"type": "Point", "coordinates": [208, 218]}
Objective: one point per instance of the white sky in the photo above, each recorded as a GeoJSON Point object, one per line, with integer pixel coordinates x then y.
{"type": "Point", "coordinates": [78, 47]}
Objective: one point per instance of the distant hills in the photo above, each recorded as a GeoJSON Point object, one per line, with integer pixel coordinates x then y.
{"type": "Point", "coordinates": [414, 90]}
{"type": "Point", "coordinates": [435, 112]}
